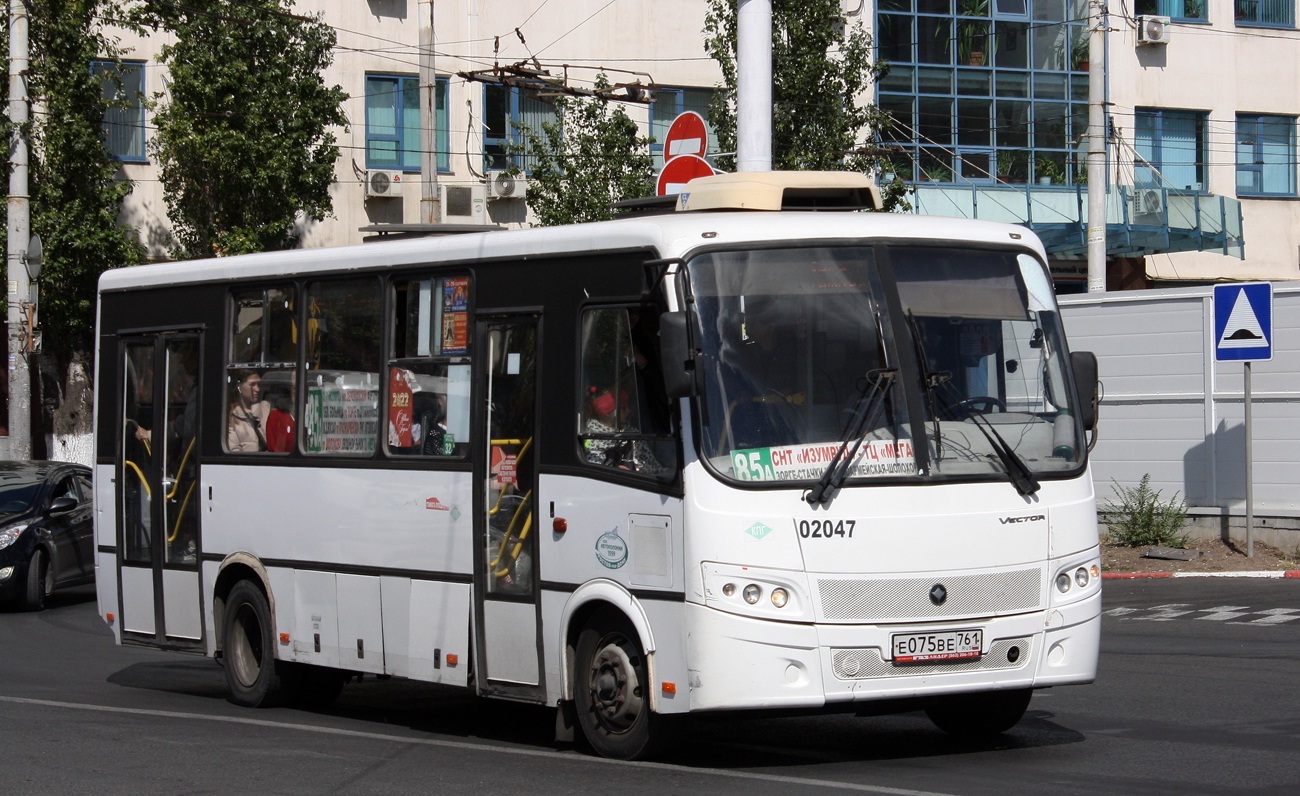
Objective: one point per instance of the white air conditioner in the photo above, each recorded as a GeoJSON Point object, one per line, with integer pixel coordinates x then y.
{"type": "Point", "coordinates": [504, 185]}
{"type": "Point", "coordinates": [1148, 201]}
{"type": "Point", "coordinates": [383, 184]}
{"type": "Point", "coordinates": [1153, 30]}
{"type": "Point", "coordinates": [462, 204]}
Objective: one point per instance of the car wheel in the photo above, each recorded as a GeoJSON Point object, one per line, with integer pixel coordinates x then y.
{"type": "Point", "coordinates": [249, 648]}
{"type": "Point", "coordinates": [612, 691]}
{"type": "Point", "coordinates": [36, 586]}
{"type": "Point", "coordinates": [979, 715]}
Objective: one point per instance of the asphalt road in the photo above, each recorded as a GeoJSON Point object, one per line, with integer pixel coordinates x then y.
{"type": "Point", "coordinates": [1199, 693]}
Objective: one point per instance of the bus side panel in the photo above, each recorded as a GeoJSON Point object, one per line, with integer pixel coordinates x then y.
{"type": "Point", "coordinates": [106, 547]}
{"type": "Point", "coordinates": [426, 630]}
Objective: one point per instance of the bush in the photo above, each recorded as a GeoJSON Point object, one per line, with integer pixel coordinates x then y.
{"type": "Point", "coordinates": [1140, 518]}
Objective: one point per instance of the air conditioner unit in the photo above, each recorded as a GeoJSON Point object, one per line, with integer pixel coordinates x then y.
{"type": "Point", "coordinates": [1153, 30]}
{"type": "Point", "coordinates": [383, 184]}
{"type": "Point", "coordinates": [504, 185]}
{"type": "Point", "coordinates": [462, 204]}
{"type": "Point", "coordinates": [1148, 201]}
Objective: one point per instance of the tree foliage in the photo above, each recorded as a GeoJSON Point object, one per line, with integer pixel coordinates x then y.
{"type": "Point", "coordinates": [584, 162]}
{"type": "Point", "coordinates": [243, 132]}
{"type": "Point", "coordinates": [821, 71]}
{"type": "Point", "coordinates": [76, 196]}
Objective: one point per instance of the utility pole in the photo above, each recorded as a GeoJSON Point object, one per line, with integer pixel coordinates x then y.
{"type": "Point", "coordinates": [754, 85]}
{"type": "Point", "coordinates": [1097, 138]}
{"type": "Point", "coordinates": [430, 202]}
{"type": "Point", "coordinates": [19, 302]}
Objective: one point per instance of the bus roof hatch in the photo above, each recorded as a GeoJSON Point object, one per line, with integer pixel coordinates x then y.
{"type": "Point", "coordinates": [781, 190]}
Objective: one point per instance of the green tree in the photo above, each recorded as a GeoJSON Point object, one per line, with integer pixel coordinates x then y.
{"type": "Point", "coordinates": [821, 70]}
{"type": "Point", "coordinates": [584, 162]}
{"type": "Point", "coordinates": [243, 133]}
{"type": "Point", "coordinates": [76, 196]}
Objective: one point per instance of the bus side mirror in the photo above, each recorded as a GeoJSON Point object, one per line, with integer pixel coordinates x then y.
{"type": "Point", "coordinates": [1084, 365]}
{"type": "Point", "coordinates": [676, 358]}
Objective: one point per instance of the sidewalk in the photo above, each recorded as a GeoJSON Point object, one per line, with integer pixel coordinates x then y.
{"type": "Point", "coordinates": [1215, 559]}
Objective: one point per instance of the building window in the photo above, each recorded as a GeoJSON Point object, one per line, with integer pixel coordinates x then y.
{"type": "Point", "coordinates": [1269, 13]}
{"type": "Point", "coordinates": [123, 124]}
{"type": "Point", "coordinates": [1266, 155]}
{"type": "Point", "coordinates": [505, 110]}
{"type": "Point", "coordinates": [1173, 146]}
{"type": "Point", "coordinates": [1184, 10]}
{"type": "Point", "coordinates": [393, 126]}
{"type": "Point", "coordinates": [668, 104]}
{"type": "Point", "coordinates": [983, 92]}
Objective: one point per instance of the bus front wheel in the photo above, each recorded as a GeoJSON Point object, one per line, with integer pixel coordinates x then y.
{"type": "Point", "coordinates": [612, 691]}
{"type": "Point", "coordinates": [249, 648]}
{"type": "Point", "coordinates": [979, 715]}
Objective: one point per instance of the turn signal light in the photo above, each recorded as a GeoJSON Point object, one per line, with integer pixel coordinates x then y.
{"type": "Point", "coordinates": [109, 618]}
{"type": "Point", "coordinates": [452, 659]}
{"type": "Point", "coordinates": [284, 638]}
{"type": "Point", "coordinates": [670, 688]}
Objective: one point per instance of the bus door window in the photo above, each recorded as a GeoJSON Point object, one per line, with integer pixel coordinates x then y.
{"type": "Point", "coordinates": [179, 449]}
{"type": "Point", "coordinates": [343, 382]}
{"type": "Point", "coordinates": [512, 398]}
{"type": "Point", "coordinates": [429, 368]}
{"type": "Point", "coordinates": [624, 418]}
{"type": "Point", "coordinates": [137, 450]}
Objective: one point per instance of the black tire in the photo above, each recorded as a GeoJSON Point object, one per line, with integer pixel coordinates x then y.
{"type": "Point", "coordinates": [310, 687]}
{"type": "Point", "coordinates": [248, 649]}
{"type": "Point", "coordinates": [612, 691]}
{"type": "Point", "coordinates": [981, 715]}
{"type": "Point", "coordinates": [35, 588]}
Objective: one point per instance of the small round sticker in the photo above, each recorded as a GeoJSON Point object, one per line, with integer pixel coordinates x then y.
{"type": "Point", "coordinates": [611, 550]}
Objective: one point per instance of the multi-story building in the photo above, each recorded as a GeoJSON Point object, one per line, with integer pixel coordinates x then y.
{"type": "Point", "coordinates": [990, 99]}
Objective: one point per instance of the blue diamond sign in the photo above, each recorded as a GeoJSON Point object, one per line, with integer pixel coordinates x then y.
{"type": "Point", "coordinates": [1243, 322]}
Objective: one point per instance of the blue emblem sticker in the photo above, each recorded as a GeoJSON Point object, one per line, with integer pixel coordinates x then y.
{"type": "Point", "coordinates": [758, 530]}
{"type": "Point", "coordinates": [611, 550]}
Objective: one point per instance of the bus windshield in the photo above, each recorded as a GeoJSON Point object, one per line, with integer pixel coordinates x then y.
{"type": "Point", "coordinates": [804, 364]}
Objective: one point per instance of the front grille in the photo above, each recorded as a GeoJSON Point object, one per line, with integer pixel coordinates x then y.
{"type": "Point", "coordinates": [908, 599]}
{"type": "Point", "coordinates": [866, 664]}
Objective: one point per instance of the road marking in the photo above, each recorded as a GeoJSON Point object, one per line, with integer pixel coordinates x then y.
{"type": "Point", "coordinates": [1164, 613]}
{"type": "Point", "coordinates": [1276, 616]}
{"type": "Point", "coordinates": [462, 745]}
{"type": "Point", "coordinates": [1224, 612]}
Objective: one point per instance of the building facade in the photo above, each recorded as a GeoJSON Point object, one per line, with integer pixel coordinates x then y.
{"type": "Point", "coordinates": [989, 100]}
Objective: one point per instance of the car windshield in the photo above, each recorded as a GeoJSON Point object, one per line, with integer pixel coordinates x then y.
{"type": "Point", "coordinates": [803, 364]}
{"type": "Point", "coordinates": [17, 494]}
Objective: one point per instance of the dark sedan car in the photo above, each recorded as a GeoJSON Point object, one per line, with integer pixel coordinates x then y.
{"type": "Point", "coordinates": [46, 532]}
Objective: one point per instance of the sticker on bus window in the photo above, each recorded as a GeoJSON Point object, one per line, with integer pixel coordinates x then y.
{"type": "Point", "coordinates": [455, 315]}
{"type": "Point", "coordinates": [808, 462]}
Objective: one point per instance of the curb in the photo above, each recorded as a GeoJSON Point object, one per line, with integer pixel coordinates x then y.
{"type": "Point", "coordinates": [1289, 573]}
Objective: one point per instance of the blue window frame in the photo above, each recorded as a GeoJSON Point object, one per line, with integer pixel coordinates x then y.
{"type": "Point", "coordinates": [1266, 155]}
{"type": "Point", "coordinates": [668, 104]}
{"type": "Point", "coordinates": [1266, 13]}
{"type": "Point", "coordinates": [123, 123]}
{"type": "Point", "coordinates": [1182, 10]}
{"type": "Point", "coordinates": [393, 128]}
{"type": "Point", "coordinates": [505, 109]}
{"type": "Point", "coordinates": [1173, 144]}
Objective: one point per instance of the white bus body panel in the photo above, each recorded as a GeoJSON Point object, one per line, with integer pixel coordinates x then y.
{"type": "Point", "coordinates": [106, 592]}
{"type": "Point", "coordinates": [182, 616]}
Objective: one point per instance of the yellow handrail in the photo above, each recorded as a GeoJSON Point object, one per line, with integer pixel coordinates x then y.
{"type": "Point", "coordinates": [181, 514]}
{"type": "Point", "coordinates": [510, 532]}
{"type": "Point", "coordinates": [143, 481]}
{"type": "Point", "coordinates": [180, 468]}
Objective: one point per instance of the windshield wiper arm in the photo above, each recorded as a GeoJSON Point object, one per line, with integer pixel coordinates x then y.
{"type": "Point", "coordinates": [1022, 478]}
{"type": "Point", "coordinates": [870, 404]}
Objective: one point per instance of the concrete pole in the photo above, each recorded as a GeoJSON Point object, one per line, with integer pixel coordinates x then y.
{"type": "Point", "coordinates": [430, 202]}
{"type": "Point", "coordinates": [754, 85]}
{"type": "Point", "coordinates": [1097, 137]}
{"type": "Point", "coordinates": [19, 232]}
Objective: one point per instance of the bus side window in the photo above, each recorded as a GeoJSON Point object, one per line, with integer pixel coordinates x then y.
{"type": "Point", "coordinates": [624, 417]}
{"type": "Point", "coordinates": [261, 370]}
{"type": "Point", "coordinates": [428, 368]}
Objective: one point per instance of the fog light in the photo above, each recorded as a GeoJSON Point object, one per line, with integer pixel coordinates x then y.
{"type": "Point", "coordinates": [780, 597]}
{"type": "Point", "coordinates": [729, 590]}
{"type": "Point", "coordinates": [6, 572]}
{"type": "Point", "coordinates": [1095, 571]}
{"type": "Point", "coordinates": [1063, 583]}
{"type": "Point", "coordinates": [752, 593]}
{"type": "Point", "coordinates": [1081, 577]}
{"type": "Point", "coordinates": [1013, 655]}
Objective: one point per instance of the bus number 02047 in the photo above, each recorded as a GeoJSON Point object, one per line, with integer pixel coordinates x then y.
{"type": "Point", "coordinates": [826, 529]}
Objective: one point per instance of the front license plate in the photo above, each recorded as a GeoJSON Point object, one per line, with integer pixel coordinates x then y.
{"type": "Point", "coordinates": [930, 647]}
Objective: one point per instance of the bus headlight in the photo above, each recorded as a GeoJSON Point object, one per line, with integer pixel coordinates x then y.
{"type": "Point", "coordinates": [1063, 583]}
{"type": "Point", "coordinates": [753, 592]}
{"type": "Point", "coordinates": [780, 597]}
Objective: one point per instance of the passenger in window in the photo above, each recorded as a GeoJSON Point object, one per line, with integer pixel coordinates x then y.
{"type": "Point", "coordinates": [248, 414]}
{"type": "Point", "coordinates": [279, 421]}
{"type": "Point", "coordinates": [607, 415]}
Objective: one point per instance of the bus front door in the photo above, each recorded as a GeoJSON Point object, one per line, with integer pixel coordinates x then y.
{"type": "Point", "coordinates": [507, 610]}
{"type": "Point", "coordinates": [158, 491]}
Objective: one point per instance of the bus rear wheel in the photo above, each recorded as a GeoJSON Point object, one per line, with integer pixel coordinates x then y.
{"type": "Point", "coordinates": [612, 691]}
{"type": "Point", "coordinates": [979, 715]}
{"type": "Point", "coordinates": [249, 648]}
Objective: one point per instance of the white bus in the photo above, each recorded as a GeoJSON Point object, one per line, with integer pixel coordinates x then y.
{"type": "Point", "coordinates": [701, 460]}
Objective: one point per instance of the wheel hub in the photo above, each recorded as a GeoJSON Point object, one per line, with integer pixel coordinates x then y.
{"type": "Point", "coordinates": [615, 690]}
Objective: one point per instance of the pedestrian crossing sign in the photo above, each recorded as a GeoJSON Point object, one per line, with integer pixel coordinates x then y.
{"type": "Point", "coordinates": [1243, 322]}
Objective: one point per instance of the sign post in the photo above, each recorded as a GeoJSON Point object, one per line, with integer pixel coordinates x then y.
{"type": "Point", "coordinates": [1243, 332]}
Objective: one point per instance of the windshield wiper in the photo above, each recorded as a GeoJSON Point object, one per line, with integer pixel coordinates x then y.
{"type": "Point", "coordinates": [1022, 478]}
{"type": "Point", "coordinates": [865, 414]}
